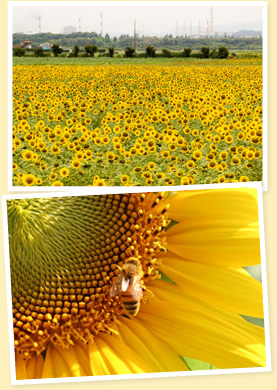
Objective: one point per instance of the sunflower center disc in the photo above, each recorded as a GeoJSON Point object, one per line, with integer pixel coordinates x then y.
{"type": "Point", "coordinates": [64, 253]}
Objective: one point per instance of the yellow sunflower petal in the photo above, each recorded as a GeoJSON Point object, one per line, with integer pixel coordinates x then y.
{"type": "Point", "coordinates": [109, 355]}
{"type": "Point", "coordinates": [82, 353]}
{"type": "Point", "coordinates": [226, 203]}
{"type": "Point", "coordinates": [229, 289]}
{"type": "Point", "coordinates": [55, 366]}
{"type": "Point", "coordinates": [205, 333]}
{"type": "Point", "coordinates": [74, 360]}
{"type": "Point", "coordinates": [151, 348]}
{"type": "Point", "coordinates": [34, 367]}
{"type": "Point", "coordinates": [20, 367]}
{"type": "Point", "coordinates": [222, 243]}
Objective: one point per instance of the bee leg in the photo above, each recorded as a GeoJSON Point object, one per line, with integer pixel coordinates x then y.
{"type": "Point", "coordinates": [147, 296]}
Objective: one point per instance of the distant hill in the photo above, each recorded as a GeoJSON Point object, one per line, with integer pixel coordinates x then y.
{"type": "Point", "coordinates": [247, 33]}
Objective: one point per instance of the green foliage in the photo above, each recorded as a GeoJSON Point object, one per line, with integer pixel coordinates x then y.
{"type": "Point", "coordinates": [168, 41]}
{"type": "Point", "coordinates": [167, 53]}
{"type": "Point", "coordinates": [150, 51]}
{"type": "Point", "coordinates": [19, 52]}
{"type": "Point", "coordinates": [214, 53]}
{"type": "Point", "coordinates": [111, 51]}
{"type": "Point", "coordinates": [187, 52]}
{"type": "Point", "coordinates": [196, 365]}
{"type": "Point", "coordinates": [197, 54]}
{"type": "Point", "coordinates": [129, 52]}
{"type": "Point", "coordinates": [38, 52]}
{"type": "Point", "coordinates": [205, 50]}
{"type": "Point", "coordinates": [223, 52]}
{"type": "Point", "coordinates": [56, 49]}
{"type": "Point", "coordinates": [76, 51]}
{"type": "Point", "coordinates": [91, 50]}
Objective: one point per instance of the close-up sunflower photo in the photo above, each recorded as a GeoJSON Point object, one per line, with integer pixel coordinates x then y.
{"type": "Point", "coordinates": [135, 283]}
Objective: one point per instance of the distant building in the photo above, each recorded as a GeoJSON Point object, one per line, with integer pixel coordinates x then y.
{"type": "Point", "coordinates": [223, 35]}
{"type": "Point", "coordinates": [69, 29]}
{"type": "Point", "coordinates": [46, 46]}
{"type": "Point", "coordinates": [27, 45]}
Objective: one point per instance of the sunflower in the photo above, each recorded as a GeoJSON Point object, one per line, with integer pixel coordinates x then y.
{"type": "Point", "coordinates": [28, 180]}
{"type": "Point", "coordinates": [68, 324]}
{"type": "Point", "coordinates": [27, 155]}
{"type": "Point", "coordinates": [57, 183]}
{"type": "Point", "coordinates": [76, 164]}
{"type": "Point", "coordinates": [64, 172]}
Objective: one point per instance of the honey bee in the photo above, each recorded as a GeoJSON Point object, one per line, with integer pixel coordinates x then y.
{"type": "Point", "coordinates": [129, 286]}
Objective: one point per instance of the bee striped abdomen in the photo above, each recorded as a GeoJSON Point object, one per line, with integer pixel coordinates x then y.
{"type": "Point", "coordinates": [130, 304]}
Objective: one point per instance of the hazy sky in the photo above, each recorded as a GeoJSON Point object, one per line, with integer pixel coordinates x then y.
{"type": "Point", "coordinates": [150, 20]}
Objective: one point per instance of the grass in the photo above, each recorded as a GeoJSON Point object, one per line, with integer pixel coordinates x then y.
{"type": "Point", "coordinates": [130, 61]}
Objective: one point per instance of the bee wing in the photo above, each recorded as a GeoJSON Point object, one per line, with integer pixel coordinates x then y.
{"type": "Point", "coordinates": [124, 284]}
{"type": "Point", "coordinates": [116, 288]}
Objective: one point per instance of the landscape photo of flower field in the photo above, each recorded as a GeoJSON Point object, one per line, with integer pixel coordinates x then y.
{"type": "Point", "coordinates": [142, 119]}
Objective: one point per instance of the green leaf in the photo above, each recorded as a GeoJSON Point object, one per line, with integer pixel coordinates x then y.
{"type": "Point", "coordinates": [197, 365]}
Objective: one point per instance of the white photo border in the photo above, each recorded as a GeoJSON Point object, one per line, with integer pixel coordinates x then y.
{"type": "Point", "coordinates": [97, 190]}
{"type": "Point", "coordinates": [268, 368]}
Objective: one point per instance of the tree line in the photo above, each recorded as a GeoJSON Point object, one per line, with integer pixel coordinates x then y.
{"type": "Point", "coordinates": [167, 42]}
{"type": "Point", "coordinates": [129, 52]}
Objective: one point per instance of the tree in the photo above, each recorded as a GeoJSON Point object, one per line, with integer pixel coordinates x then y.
{"type": "Point", "coordinates": [223, 52]}
{"type": "Point", "coordinates": [167, 53]}
{"type": "Point", "coordinates": [76, 50]}
{"type": "Point", "coordinates": [56, 49]}
{"type": "Point", "coordinates": [91, 49]}
{"type": "Point", "coordinates": [129, 52]}
{"type": "Point", "coordinates": [38, 52]}
{"type": "Point", "coordinates": [150, 51]}
{"type": "Point", "coordinates": [111, 51]}
{"type": "Point", "coordinates": [205, 51]}
{"type": "Point", "coordinates": [187, 52]}
{"type": "Point", "coordinates": [19, 52]}
{"type": "Point", "coordinates": [214, 53]}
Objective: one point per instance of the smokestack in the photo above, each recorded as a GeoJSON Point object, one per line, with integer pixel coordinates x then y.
{"type": "Point", "coordinates": [101, 24]}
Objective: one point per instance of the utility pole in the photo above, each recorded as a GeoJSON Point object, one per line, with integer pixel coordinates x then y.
{"type": "Point", "coordinates": [212, 22]}
{"type": "Point", "coordinates": [177, 28]}
{"type": "Point", "coordinates": [39, 24]}
{"type": "Point", "coordinates": [135, 36]}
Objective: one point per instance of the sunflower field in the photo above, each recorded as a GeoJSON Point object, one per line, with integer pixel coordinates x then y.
{"type": "Point", "coordinates": [136, 125]}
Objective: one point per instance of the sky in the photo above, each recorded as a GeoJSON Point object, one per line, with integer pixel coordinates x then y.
{"type": "Point", "coordinates": [157, 20]}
